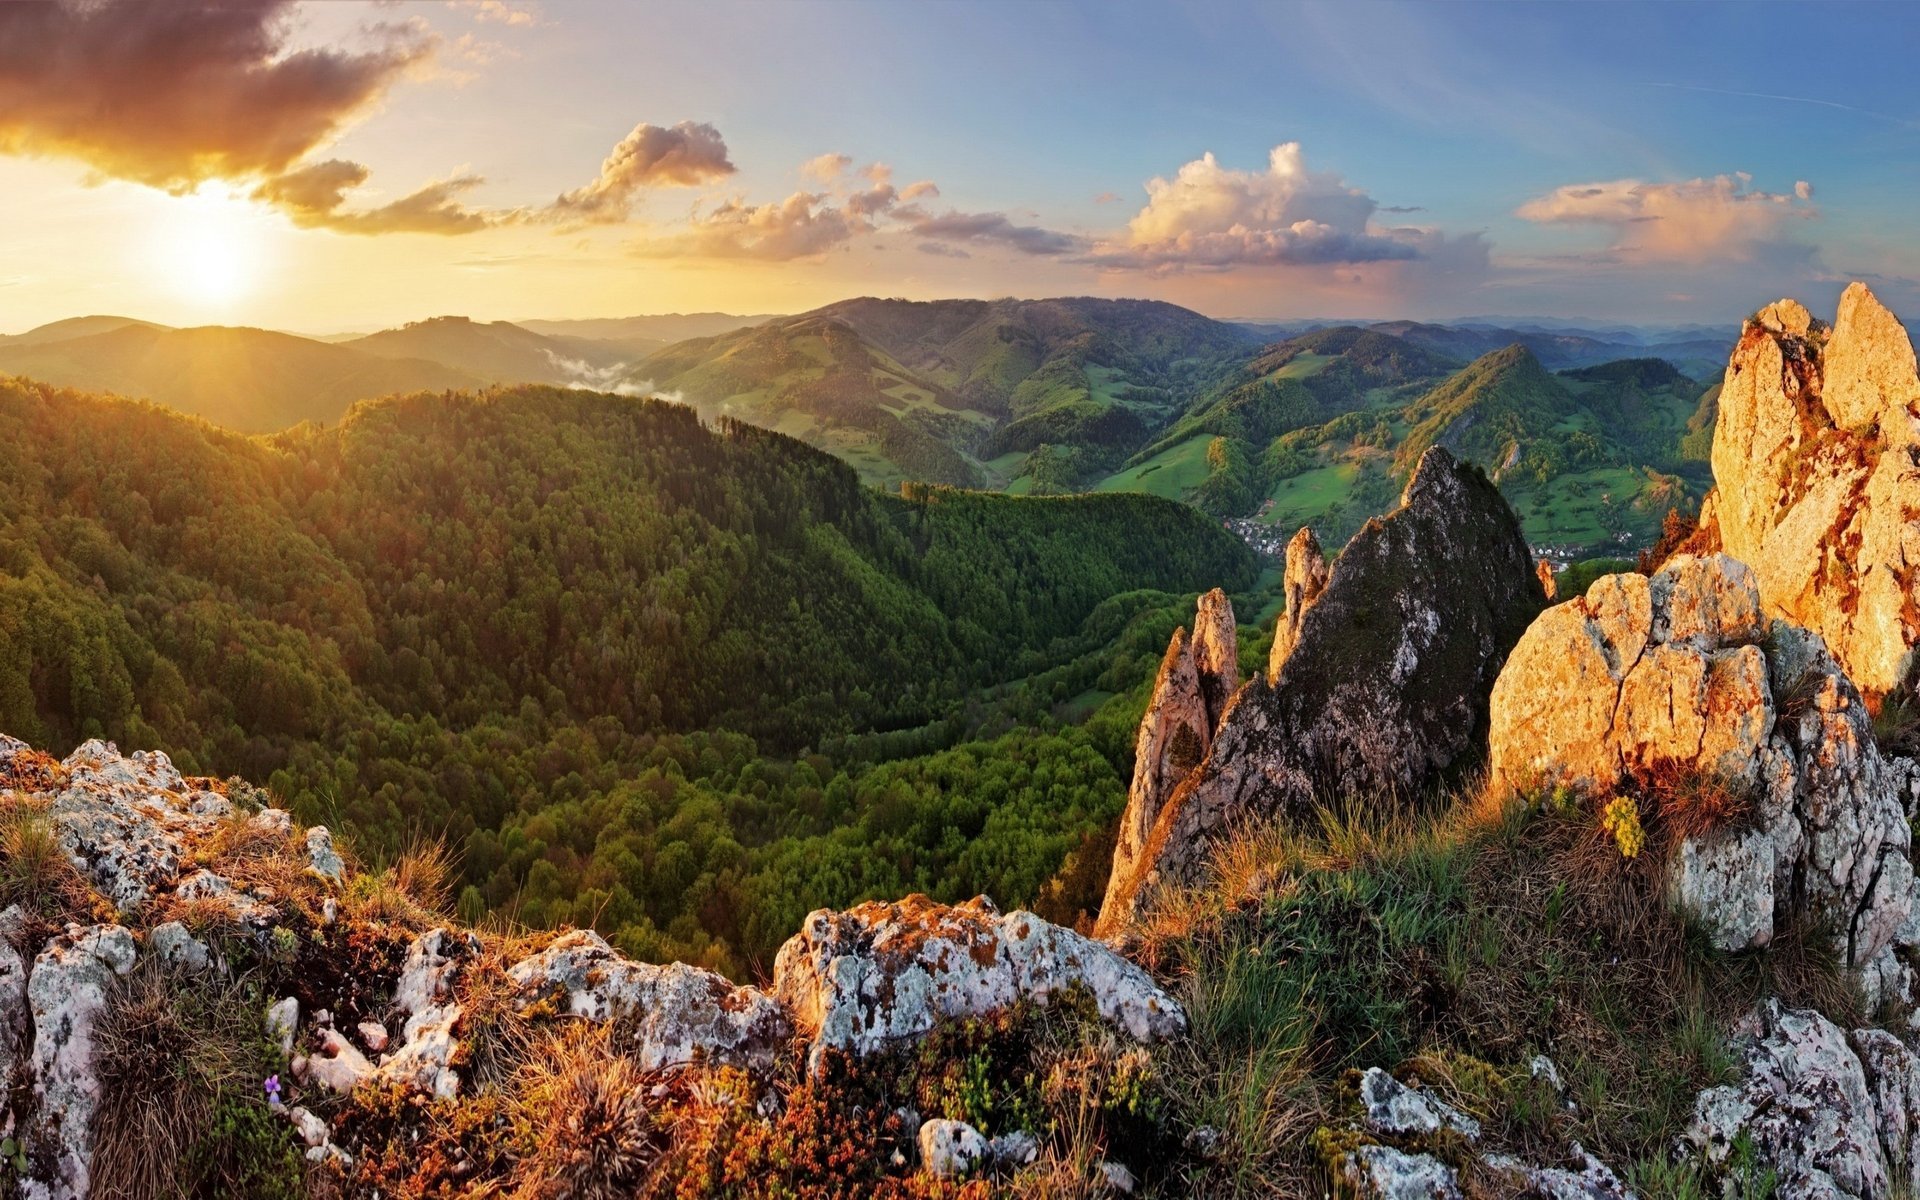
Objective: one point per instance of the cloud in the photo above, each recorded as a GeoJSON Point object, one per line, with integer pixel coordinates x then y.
{"type": "Point", "coordinates": [942, 250]}
{"type": "Point", "coordinates": [173, 94]}
{"type": "Point", "coordinates": [314, 197]}
{"type": "Point", "coordinates": [681, 155]}
{"type": "Point", "coordinates": [989, 227]}
{"type": "Point", "coordinates": [803, 225]}
{"type": "Point", "coordinates": [1700, 220]}
{"type": "Point", "coordinates": [1211, 217]}
{"type": "Point", "coordinates": [1107, 198]}
{"type": "Point", "coordinates": [826, 168]}
{"type": "Point", "coordinates": [923, 190]}
{"type": "Point", "coordinates": [503, 13]}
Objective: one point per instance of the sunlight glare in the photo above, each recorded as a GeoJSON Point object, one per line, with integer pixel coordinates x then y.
{"type": "Point", "coordinates": [207, 249]}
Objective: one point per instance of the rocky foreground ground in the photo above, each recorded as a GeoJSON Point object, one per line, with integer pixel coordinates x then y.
{"type": "Point", "coordinates": [1686, 787]}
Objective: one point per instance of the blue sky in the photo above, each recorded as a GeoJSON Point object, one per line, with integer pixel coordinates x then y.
{"type": "Point", "coordinates": [1670, 162]}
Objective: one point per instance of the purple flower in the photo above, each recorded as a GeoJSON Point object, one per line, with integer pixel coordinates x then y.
{"type": "Point", "coordinates": [272, 1084]}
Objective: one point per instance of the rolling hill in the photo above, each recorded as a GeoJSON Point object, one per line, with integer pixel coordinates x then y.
{"type": "Point", "coordinates": [967, 389]}
{"type": "Point", "coordinates": [499, 351]}
{"type": "Point", "coordinates": [250, 380]}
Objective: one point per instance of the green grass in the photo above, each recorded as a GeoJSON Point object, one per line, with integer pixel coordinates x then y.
{"type": "Point", "coordinates": [1569, 509]}
{"type": "Point", "coordinates": [1172, 473]}
{"type": "Point", "coordinates": [1304, 365]}
{"type": "Point", "coordinates": [1306, 497]}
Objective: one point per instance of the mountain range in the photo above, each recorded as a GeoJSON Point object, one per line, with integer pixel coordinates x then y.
{"type": "Point", "coordinates": [1272, 424]}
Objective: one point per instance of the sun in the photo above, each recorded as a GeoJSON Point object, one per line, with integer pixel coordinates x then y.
{"type": "Point", "coordinates": [208, 250]}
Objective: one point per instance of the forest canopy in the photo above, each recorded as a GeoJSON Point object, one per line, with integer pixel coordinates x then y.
{"type": "Point", "coordinates": [683, 682]}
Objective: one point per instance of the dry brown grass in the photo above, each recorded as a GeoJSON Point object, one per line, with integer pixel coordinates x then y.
{"type": "Point", "coordinates": [169, 1050]}
{"type": "Point", "coordinates": [583, 1116]}
{"type": "Point", "coordinates": [35, 871]}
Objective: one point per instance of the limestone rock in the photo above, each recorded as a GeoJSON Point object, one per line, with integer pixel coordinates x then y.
{"type": "Point", "coordinates": [680, 1014]}
{"type": "Point", "coordinates": [14, 1008]}
{"type": "Point", "coordinates": [322, 858]}
{"type": "Point", "coordinates": [1385, 689]}
{"type": "Point", "coordinates": [1829, 1121]}
{"type": "Point", "coordinates": [1549, 586]}
{"type": "Point", "coordinates": [335, 1064]}
{"type": "Point", "coordinates": [174, 944]}
{"type": "Point", "coordinates": [1816, 461]}
{"type": "Point", "coordinates": [1174, 735]}
{"type": "Point", "coordinates": [1591, 1179]}
{"type": "Point", "coordinates": [1679, 675]}
{"type": "Point", "coordinates": [1306, 578]}
{"type": "Point", "coordinates": [67, 994]}
{"type": "Point", "coordinates": [951, 1149]}
{"type": "Point", "coordinates": [1384, 1173]}
{"type": "Point", "coordinates": [283, 1019]}
{"type": "Point", "coordinates": [1390, 1107]}
{"type": "Point", "coordinates": [428, 1049]}
{"type": "Point", "coordinates": [1216, 653]}
{"type": "Point", "coordinates": [121, 820]}
{"type": "Point", "coordinates": [862, 980]}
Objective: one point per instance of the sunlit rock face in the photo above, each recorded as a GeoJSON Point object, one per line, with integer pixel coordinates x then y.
{"type": "Point", "coordinates": [1198, 677]}
{"type": "Point", "coordinates": [1305, 579]}
{"type": "Point", "coordinates": [1680, 683]}
{"type": "Point", "coordinates": [1816, 461]}
{"type": "Point", "coordinates": [1384, 687]}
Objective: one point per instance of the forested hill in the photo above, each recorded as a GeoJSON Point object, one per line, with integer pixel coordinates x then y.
{"type": "Point", "coordinates": [409, 619]}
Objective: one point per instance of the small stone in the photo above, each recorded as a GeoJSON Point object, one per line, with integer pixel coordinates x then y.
{"type": "Point", "coordinates": [282, 1019]}
{"type": "Point", "coordinates": [951, 1149]}
{"type": "Point", "coordinates": [1391, 1108]}
{"type": "Point", "coordinates": [1117, 1178]}
{"type": "Point", "coordinates": [1384, 1173]}
{"type": "Point", "coordinates": [175, 946]}
{"type": "Point", "coordinates": [312, 1130]}
{"type": "Point", "coordinates": [373, 1035]}
{"type": "Point", "coordinates": [322, 858]}
{"type": "Point", "coordinates": [1015, 1149]}
{"type": "Point", "coordinates": [336, 1065]}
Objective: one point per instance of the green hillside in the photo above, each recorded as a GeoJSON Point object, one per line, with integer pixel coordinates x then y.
{"type": "Point", "coordinates": [672, 680]}
{"type": "Point", "coordinates": [1323, 429]}
{"type": "Point", "coordinates": [1023, 395]}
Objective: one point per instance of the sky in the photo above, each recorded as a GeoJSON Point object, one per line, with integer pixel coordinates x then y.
{"type": "Point", "coordinates": [327, 167]}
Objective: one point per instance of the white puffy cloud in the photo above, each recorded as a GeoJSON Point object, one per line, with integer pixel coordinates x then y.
{"type": "Point", "coordinates": [1699, 220]}
{"type": "Point", "coordinates": [1213, 217]}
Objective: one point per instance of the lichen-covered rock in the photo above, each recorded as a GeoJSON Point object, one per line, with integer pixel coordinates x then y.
{"type": "Point", "coordinates": [1385, 688]}
{"type": "Point", "coordinates": [1305, 579]}
{"type": "Point", "coordinates": [1816, 461]}
{"type": "Point", "coordinates": [951, 1149]}
{"type": "Point", "coordinates": [862, 980]}
{"type": "Point", "coordinates": [1679, 676]}
{"type": "Point", "coordinates": [14, 1009]}
{"type": "Point", "coordinates": [1591, 1179]}
{"type": "Point", "coordinates": [1390, 1107]}
{"type": "Point", "coordinates": [1829, 1121]}
{"type": "Point", "coordinates": [322, 858]}
{"type": "Point", "coordinates": [679, 1014]}
{"type": "Point", "coordinates": [67, 993]}
{"type": "Point", "coordinates": [174, 944]}
{"type": "Point", "coordinates": [429, 1047]}
{"type": "Point", "coordinates": [1384, 1173]}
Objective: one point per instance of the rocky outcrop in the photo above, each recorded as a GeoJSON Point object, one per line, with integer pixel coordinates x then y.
{"type": "Point", "coordinates": [1306, 578]}
{"type": "Point", "coordinates": [1198, 677]}
{"type": "Point", "coordinates": [678, 1014]}
{"type": "Point", "coordinates": [66, 995]}
{"type": "Point", "coordinates": [1832, 1115]}
{"type": "Point", "coordinates": [1385, 687]}
{"type": "Point", "coordinates": [143, 838]}
{"type": "Point", "coordinates": [1216, 653]}
{"type": "Point", "coordinates": [1676, 688]}
{"type": "Point", "coordinates": [1816, 460]}
{"type": "Point", "coordinates": [863, 980]}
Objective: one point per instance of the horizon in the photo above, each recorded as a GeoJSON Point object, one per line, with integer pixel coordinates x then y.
{"type": "Point", "coordinates": [260, 164]}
